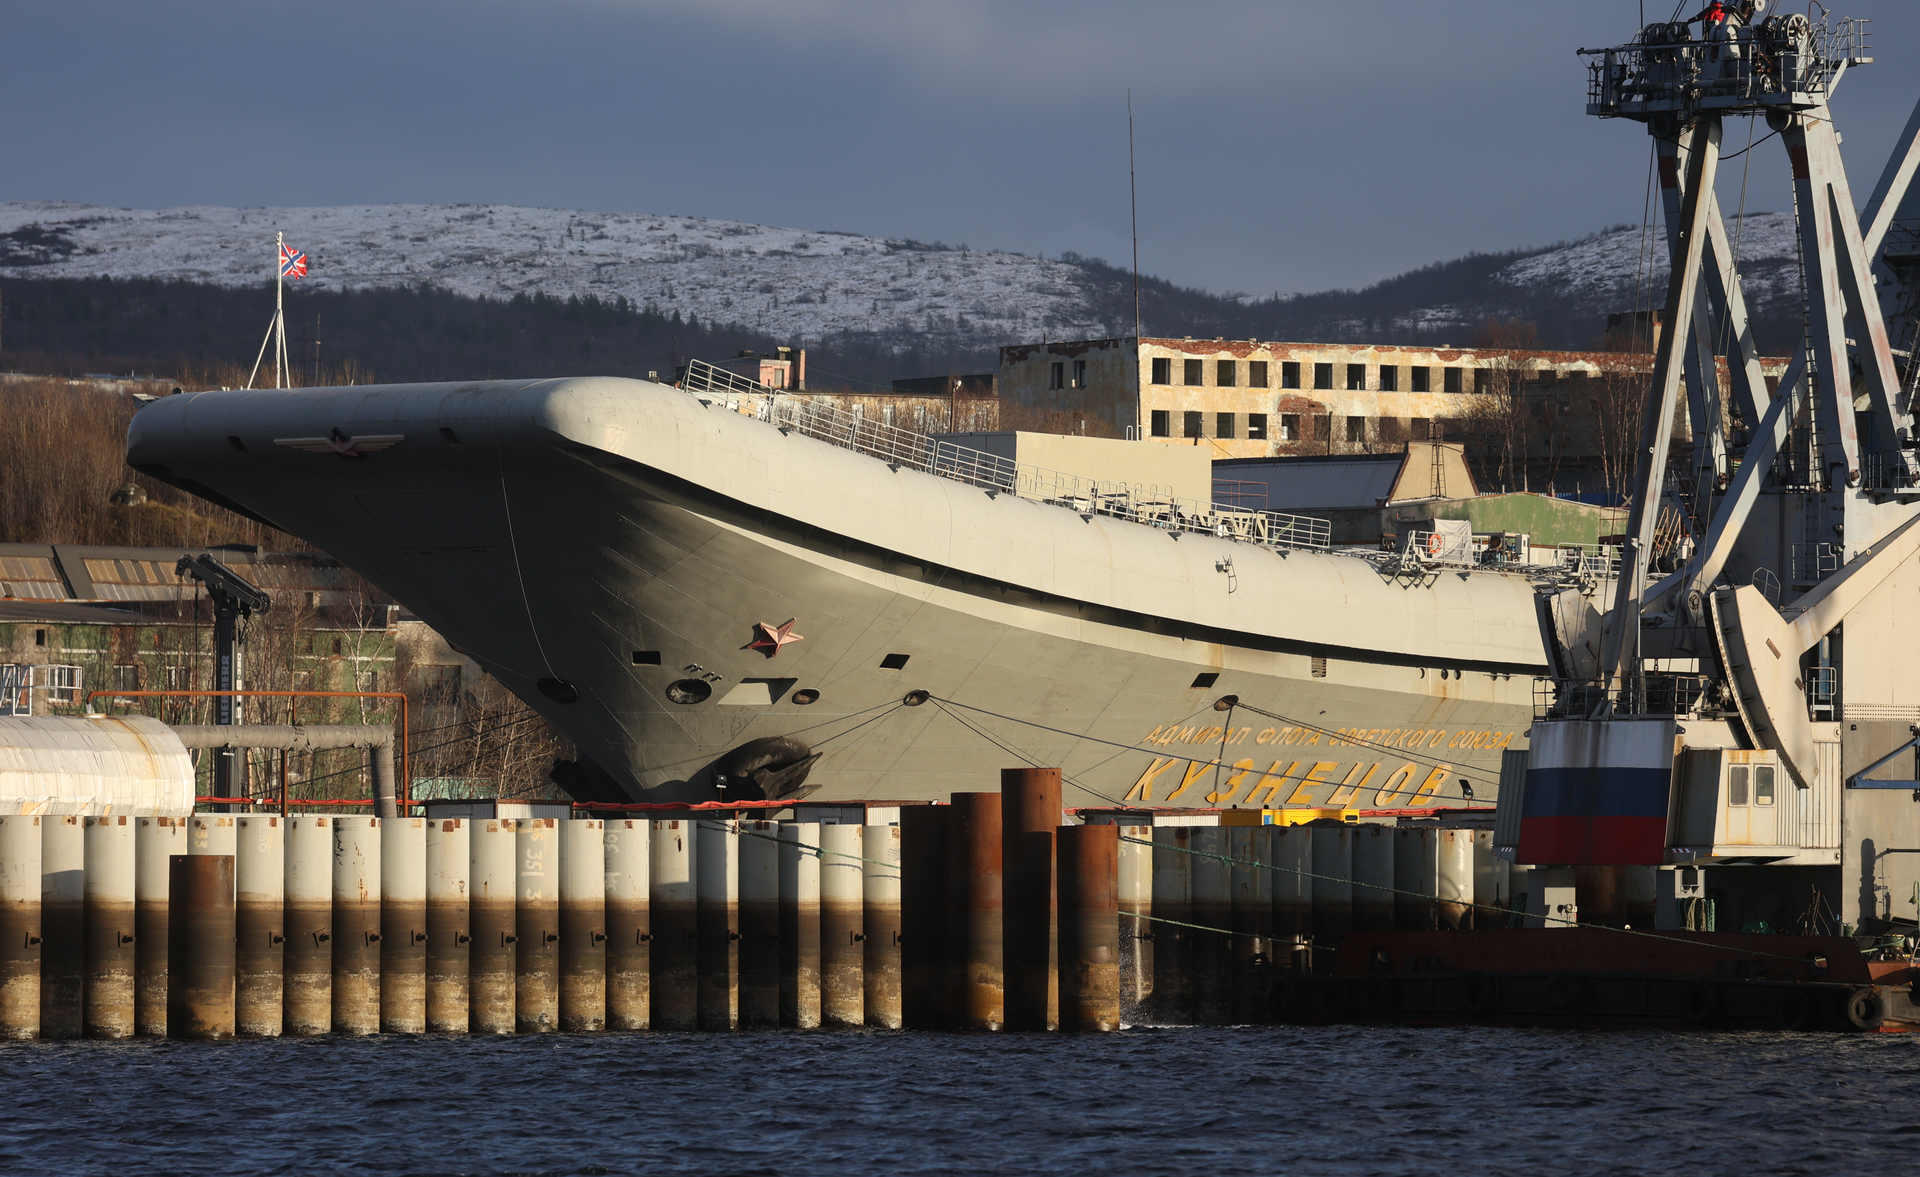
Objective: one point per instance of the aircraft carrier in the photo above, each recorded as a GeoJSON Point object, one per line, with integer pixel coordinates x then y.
{"type": "Point", "coordinates": [719, 593]}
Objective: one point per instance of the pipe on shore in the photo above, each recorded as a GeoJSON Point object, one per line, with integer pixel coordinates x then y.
{"type": "Point", "coordinates": [378, 739]}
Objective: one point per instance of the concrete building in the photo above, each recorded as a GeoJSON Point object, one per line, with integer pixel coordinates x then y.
{"type": "Point", "coordinates": [1250, 399]}
{"type": "Point", "coordinates": [1558, 414]}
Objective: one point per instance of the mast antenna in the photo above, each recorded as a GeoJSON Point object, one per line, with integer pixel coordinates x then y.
{"type": "Point", "coordinates": [1133, 201]}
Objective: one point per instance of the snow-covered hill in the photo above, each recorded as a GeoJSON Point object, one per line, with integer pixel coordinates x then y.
{"type": "Point", "coordinates": [1613, 264]}
{"type": "Point", "coordinates": [787, 283]}
{"type": "Point", "coordinates": [794, 284]}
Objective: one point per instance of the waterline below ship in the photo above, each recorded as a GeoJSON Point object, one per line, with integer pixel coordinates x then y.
{"type": "Point", "coordinates": [718, 594]}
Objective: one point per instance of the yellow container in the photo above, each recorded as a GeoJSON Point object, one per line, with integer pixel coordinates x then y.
{"type": "Point", "coordinates": [1301, 816]}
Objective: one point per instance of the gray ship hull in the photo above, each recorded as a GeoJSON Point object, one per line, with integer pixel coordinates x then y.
{"type": "Point", "coordinates": [616, 552]}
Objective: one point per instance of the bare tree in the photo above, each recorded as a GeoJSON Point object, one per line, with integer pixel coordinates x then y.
{"type": "Point", "coordinates": [1496, 416]}
{"type": "Point", "coordinates": [1617, 402]}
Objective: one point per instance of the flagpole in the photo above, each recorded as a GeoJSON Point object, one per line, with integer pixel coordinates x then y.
{"type": "Point", "coordinates": [279, 313]}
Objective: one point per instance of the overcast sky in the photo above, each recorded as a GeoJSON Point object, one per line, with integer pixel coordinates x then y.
{"type": "Point", "coordinates": [1281, 146]}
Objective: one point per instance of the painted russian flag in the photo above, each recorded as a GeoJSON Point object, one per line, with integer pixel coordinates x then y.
{"type": "Point", "coordinates": [1597, 792]}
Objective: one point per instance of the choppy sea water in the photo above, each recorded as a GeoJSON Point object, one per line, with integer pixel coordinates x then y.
{"type": "Point", "coordinates": [1254, 1100]}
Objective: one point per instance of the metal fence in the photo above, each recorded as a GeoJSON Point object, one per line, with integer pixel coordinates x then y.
{"type": "Point", "coordinates": [1148, 505]}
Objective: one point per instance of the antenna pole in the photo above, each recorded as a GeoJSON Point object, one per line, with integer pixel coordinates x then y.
{"type": "Point", "coordinates": [1133, 200]}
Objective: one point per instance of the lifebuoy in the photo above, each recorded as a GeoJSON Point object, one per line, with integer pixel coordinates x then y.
{"type": "Point", "coordinates": [1436, 543]}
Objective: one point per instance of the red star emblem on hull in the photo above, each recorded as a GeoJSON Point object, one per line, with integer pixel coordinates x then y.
{"type": "Point", "coordinates": [769, 638]}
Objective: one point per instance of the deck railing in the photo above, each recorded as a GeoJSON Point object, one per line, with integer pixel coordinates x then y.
{"type": "Point", "coordinates": [1146, 504]}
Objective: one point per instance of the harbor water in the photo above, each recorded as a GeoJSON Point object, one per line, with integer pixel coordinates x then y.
{"type": "Point", "coordinates": [1178, 1101]}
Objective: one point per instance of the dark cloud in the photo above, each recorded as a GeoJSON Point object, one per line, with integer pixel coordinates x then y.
{"type": "Point", "coordinates": [1281, 146]}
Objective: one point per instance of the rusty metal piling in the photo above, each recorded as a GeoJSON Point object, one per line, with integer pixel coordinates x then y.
{"type": "Point", "coordinates": [200, 947]}
{"type": "Point", "coordinates": [975, 893]}
{"type": "Point", "coordinates": [928, 992]}
{"type": "Point", "coordinates": [1029, 816]}
{"type": "Point", "coordinates": [1089, 858]}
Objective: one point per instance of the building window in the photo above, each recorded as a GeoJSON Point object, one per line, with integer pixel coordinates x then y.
{"type": "Point", "coordinates": [1057, 374]}
{"type": "Point", "coordinates": [1192, 422]}
{"type": "Point", "coordinates": [126, 676]}
{"type": "Point", "coordinates": [1389, 378]}
{"type": "Point", "coordinates": [1079, 373]}
{"type": "Point", "coordinates": [886, 416]}
{"type": "Point", "coordinates": [1421, 379]}
{"type": "Point", "coordinates": [1223, 424]}
{"type": "Point", "coordinates": [1356, 377]}
{"type": "Point", "coordinates": [1195, 373]}
{"type": "Point", "coordinates": [1356, 429]}
{"type": "Point", "coordinates": [1162, 370]}
{"type": "Point", "coordinates": [1162, 421]}
{"type": "Point", "coordinates": [1450, 380]}
{"type": "Point", "coordinates": [1289, 374]}
{"type": "Point", "coordinates": [1482, 380]}
{"type": "Point", "coordinates": [1323, 375]}
{"type": "Point", "coordinates": [1256, 427]}
{"type": "Point", "coordinates": [1226, 373]}
{"type": "Point", "coordinates": [1256, 373]}
{"type": "Point", "coordinates": [1421, 429]}
{"type": "Point", "coordinates": [1289, 427]}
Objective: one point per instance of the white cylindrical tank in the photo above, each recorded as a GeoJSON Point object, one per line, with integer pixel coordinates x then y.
{"type": "Point", "coordinates": [95, 766]}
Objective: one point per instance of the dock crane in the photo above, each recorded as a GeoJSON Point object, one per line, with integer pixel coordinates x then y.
{"type": "Point", "coordinates": [1704, 678]}
{"type": "Point", "coordinates": [234, 600]}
